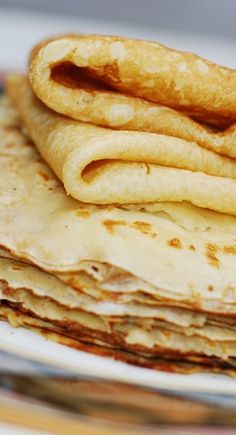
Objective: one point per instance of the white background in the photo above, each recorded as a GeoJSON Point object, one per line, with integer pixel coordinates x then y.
{"type": "Point", "coordinates": [21, 29]}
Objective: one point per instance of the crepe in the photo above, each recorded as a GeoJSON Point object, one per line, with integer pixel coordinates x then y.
{"type": "Point", "coordinates": [145, 69]}
{"type": "Point", "coordinates": [72, 91]}
{"type": "Point", "coordinates": [89, 101]}
{"type": "Point", "coordinates": [103, 166]}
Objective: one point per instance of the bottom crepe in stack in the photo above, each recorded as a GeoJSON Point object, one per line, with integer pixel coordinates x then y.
{"type": "Point", "coordinates": [154, 288]}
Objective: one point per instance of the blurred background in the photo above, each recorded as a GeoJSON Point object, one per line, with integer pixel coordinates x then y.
{"type": "Point", "coordinates": [206, 27]}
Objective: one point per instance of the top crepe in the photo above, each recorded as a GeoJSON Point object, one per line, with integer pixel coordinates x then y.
{"type": "Point", "coordinates": [104, 166]}
{"type": "Point", "coordinates": [136, 85]}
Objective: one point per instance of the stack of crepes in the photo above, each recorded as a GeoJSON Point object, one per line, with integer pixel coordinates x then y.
{"type": "Point", "coordinates": [118, 227]}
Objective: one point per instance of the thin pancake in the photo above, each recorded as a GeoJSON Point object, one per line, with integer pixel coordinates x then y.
{"type": "Point", "coordinates": [104, 166]}
{"type": "Point", "coordinates": [144, 69]}
{"type": "Point", "coordinates": [71, 91]}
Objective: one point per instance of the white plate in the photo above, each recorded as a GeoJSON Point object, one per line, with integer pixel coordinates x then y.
{"type": "Point", "coordinates": [19, 32]}
{"type": "Point", "coordinates": [28, 344]}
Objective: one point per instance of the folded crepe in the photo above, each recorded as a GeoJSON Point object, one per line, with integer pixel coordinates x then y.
{"type": "Point", "coordinates": [137, 85]}
{"type": "Point", "coordinates": [81, 272]}
{"type": "Point", "coordinates": [104, 166]}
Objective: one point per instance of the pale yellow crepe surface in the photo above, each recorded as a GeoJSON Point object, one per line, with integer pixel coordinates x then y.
{"type": "Point", "coordinates": [146, 69]}
{"type": "Point", "coordinates": [74, 92]}
{"type": "Point", "coordinates": [104, 166]}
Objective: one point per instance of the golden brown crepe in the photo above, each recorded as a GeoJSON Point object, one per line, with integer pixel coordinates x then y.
{"type": "Point", "coordinates": [83, 272]}
{"type": "Point", "coordinates": [148, 70]}
{"type": "Point", "coordinates": [104, 166]}
{"type": "Point", "coordinates": [100, 80]}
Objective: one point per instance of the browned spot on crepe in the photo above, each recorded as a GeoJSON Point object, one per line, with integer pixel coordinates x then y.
{"type": "Point", "coordinates": [148, 168]}
{"type": "Point", "coordinates": [175, 243]}
{"type": "Point", "coordinates": [39, 160]}
{"type": "Point", "coordinates": [17, 267]}
{"type": "Point", "coordinates": [111, 71]}
{"type": "Point", "coordinates": [192, 248]}
{"type": "Point", "coordinates": [230, 249]}
{"type": "Point", "coordinates": [45, 176]}
{"type": "Point", "coordinates": [112, 224]}
{"type": "Point", "coordinates": [144, 227]}
{"type": "Point", "coordinates": [82, 213]}
{"type": "Point", "coordinates": [211, 250]}
{"type": "Point", "coordinates": [210, 288]}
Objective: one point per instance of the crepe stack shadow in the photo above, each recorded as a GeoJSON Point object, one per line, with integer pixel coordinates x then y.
{"type": "Point", "coordinates": [118, 202]}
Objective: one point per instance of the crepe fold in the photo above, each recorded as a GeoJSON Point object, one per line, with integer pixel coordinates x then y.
{"type": "Point", "coordinates": [80, 273]}
{"type": "Point", "coordinates": [137, 85]}
{"type": "Point", "coordinates": [104, 166]}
